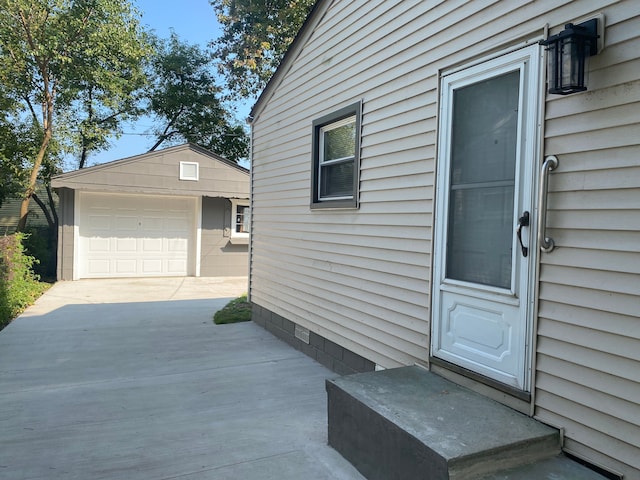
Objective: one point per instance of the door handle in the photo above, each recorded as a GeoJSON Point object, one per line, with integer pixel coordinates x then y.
{"type": "Point", "coordinates": [523, 221]}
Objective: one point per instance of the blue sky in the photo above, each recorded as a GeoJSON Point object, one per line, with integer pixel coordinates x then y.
{"type": "Point", "coordinates": [195, 22]}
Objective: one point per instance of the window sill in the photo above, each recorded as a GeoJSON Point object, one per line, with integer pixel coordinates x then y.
{"type": "Point", "coordinates": [335, 205]}
{"type": "Point", "coordinates": [239, 240]}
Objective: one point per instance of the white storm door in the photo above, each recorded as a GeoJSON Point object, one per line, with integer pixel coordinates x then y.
{"type": "Point", "coordinates": [482, 274]}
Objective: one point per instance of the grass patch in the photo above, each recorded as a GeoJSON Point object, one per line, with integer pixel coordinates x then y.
{"type": "Point", "coordinates": [237, 310]}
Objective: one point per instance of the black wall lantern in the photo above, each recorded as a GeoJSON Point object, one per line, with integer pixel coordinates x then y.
{"type": "Point", "coordinates": [567, 53]}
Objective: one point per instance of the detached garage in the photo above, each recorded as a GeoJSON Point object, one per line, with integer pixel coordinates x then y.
{"type": "Point", "coordinates": [182, 211]}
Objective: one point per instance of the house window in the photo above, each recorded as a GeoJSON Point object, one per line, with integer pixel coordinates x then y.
{"type": "Point", "coordinates": [189, 170]}
{"type": "Point", "coordinates": [241, 219]}
{"type": "Point", "coordinates": [336, 159]}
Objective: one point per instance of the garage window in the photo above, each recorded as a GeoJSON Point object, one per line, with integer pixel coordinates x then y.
{"type": "Point", "coordinates": [241, 219]}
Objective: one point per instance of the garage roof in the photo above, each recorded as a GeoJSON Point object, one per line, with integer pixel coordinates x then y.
{"type": "Point", "coordinates": [160, 172]}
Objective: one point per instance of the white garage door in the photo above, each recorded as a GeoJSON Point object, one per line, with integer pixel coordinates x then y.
{"type": "Point", "coordinates": [135, 235]}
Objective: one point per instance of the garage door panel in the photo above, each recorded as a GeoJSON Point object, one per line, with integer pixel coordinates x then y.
{"type": "Point", "coordinates": [152, 267]}
{"type": "Point", "coordinates": [150, 245]}
{"type": "Point", "coordinates": [135, 235]}
{"type": "Point", "coordinates": [97, 266]}
{"type": "Point", "coordinates": [99, 244]}
{"type": "Point", "coordinates": [125, 266]}
{"type": "Point", "coordinates": [126, 245]}
{"type": "Point", "coordinates": [126, 223]}
{"type": "Point", "coordinates": [152, 224]}
{"type": "Point", "coordinates": [176, 224]}
{"type": "Point", "coordinates": [176, 266]}
{"type": "Point", "coordinates": [99, 222]}
{"type": "Point", "coordinates": [177, 245]}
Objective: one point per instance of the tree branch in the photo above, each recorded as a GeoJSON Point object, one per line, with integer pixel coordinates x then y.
{"type": "Point", "coordinates": [52, 205]}
{"type": "Point", "coordinates": [27, 100]}
{"type": "Point", "coordinates": [165, 134]}
{"type": "Point", "coordinates": [44, 209]}
{"type": "Point", "coordinates": [162, 138]}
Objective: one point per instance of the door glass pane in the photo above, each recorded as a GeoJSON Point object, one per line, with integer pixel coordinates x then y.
{"type": "Point", "coordinates": [482, 216]}
{"type": "Point", "coordinates": [483, 165]}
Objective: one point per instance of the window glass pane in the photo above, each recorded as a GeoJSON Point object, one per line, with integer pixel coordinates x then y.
{"type": "Point", "coordinates": [483, 165]}
{"type": "Point", "coordinates": [336, 180]}
{"type": "Point", "coordinates": [242, 219]}
{"type": "Point", "coordinates": [340, 142]}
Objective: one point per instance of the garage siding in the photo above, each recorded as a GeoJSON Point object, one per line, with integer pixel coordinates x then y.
{"type": "Point", "coordinates": [64, 269]}
{"type": "Point", "coordinates": [219, 257]}
{"type": "Point", "coordinates": [158, 175]}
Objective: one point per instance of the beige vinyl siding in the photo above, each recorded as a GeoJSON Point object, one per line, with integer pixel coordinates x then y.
{"type": "Point", "coordinates": [387, 54]}
{"type": "Point", "coordinates": [588, 363]}
{"type": "Point", "coordinates": [361, 277]}
{"type": "Point", "coordinates": [358, 277]}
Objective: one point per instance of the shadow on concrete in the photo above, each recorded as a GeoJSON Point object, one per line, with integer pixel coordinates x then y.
{"type": "Point", "coordinates": [155, 390]}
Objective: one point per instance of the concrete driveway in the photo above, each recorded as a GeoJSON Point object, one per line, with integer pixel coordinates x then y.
{"type": "Point", "coordinates": [130, 379]}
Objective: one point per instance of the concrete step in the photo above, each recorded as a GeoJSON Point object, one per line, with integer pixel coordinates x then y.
{"type": "Point", "coordinates": [407, 423]}
{"type": "Point", "coordinates": [554, 468]}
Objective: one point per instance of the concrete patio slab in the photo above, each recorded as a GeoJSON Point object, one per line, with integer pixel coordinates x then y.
{"type": "Point", "coordinates": [130, 379]}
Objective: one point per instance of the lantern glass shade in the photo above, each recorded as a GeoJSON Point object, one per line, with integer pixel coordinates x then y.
{"type": "Point", "coordinates": [568, 53]}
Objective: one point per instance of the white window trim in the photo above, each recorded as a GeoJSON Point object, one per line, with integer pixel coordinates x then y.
{"type": "Point", "coordinates": [183, 176]}
{"type": "Point", "coordinates": [234, 205]}
{"type": "Point", "coordinates": [198, 224]}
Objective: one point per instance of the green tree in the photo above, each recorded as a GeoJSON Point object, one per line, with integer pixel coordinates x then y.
{"type": "Point", "coordinates": [103, 105]}
{"type": "Point", "coordinates": [54, 55]}
{"type": "Point", "coordinates": [255, 37]}
{"type": "Point", "coordinates": [10, 167]}
{"type": "Point", "coordinates": [185, 102]}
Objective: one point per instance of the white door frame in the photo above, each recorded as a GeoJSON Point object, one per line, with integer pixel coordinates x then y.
{"type": "Point", "coordinates": [522, 292]}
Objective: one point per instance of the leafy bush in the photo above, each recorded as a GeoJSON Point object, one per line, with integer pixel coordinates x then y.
{"type": "Point", "coordinates": [237, 310]}
{"type": "Point", "coordinates": [19, 286]}
{"type": "Point", "coordinates": [39, 243]}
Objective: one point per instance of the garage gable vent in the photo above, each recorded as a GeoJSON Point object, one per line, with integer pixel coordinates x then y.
{"type": "Point", "coordinates": [189, 170]}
